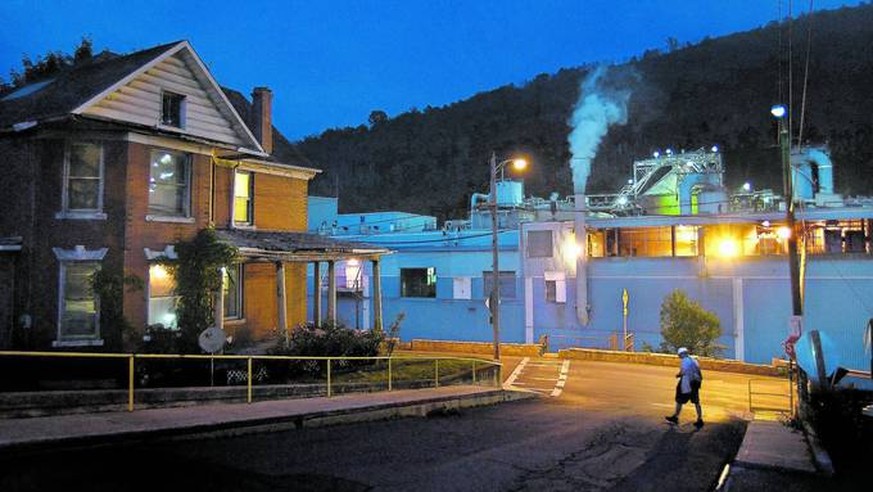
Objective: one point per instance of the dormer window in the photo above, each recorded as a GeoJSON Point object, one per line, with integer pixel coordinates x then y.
{"type": "Point", "coordinates": [172, 109]}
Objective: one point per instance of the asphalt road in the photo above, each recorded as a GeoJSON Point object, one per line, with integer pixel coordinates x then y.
{"type": "Point", "coordinates": [604, 431]}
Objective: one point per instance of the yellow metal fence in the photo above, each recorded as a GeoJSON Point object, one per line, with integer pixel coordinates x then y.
{"type": "Point", "coordinates": [481, 371]}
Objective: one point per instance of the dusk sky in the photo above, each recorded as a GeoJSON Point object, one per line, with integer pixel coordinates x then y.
{"type": "Point", "coordinates": [330, 63]}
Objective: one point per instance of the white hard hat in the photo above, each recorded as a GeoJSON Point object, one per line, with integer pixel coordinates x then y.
{"type": "Point", "coordinates": [682, 350]}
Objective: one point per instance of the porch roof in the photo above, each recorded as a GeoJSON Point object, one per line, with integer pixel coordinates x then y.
{"type": "Point", "coordinates": [296, 246]}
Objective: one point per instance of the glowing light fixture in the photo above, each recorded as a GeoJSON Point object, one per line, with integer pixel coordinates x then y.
{"type": "Point", "coordinates": [728, 248]}
{"type": "Point", "coordinates": [571, 249]}
{"type": "Point", "coordinates": [519, 164]}
{"type": "Point", "coordinates": [158, 272]}
{"type": "Point", "coordinates": [783, 232]}
{"type": "Point", "coordinates": [657, 154]}
{"type": "Point", "coordinates": [715, 148]}
{"type": "Point", "coordinates": [622, 200]}
{"type": "Point", "coordinates": [778, 111]}
{"type": "Point", "coordinates": [747, 186]}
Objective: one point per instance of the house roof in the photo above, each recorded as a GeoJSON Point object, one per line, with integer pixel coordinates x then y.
{"type": "Point", "coordinates": [296, 246]}
{"type": "Point", "coordinates": [62, 94]}
{"type": "Point", "coordinates": [72, 90]}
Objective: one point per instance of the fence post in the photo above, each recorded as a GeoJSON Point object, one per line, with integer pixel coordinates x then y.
{"type": "Point", "coordinates": [474, 372]}
{"type": "Point", "coordinates": [249, 389]}
{"type": "Point", "coordinates": [389, 375]}
{"type": "Point", "coordinates": [436, 373]}
{"type": "Point", "coordinates": [130, 377]}
{"type": "Point", "coordinates": [328, 378]}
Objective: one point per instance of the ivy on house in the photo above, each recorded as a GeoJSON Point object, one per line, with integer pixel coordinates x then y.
{"type": "Point", "coordinates": [198, 275]}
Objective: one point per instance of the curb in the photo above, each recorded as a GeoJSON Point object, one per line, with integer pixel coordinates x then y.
{"type": "Point", "coordinates": [426, 407]}
{"type": "Point", "coordinates": [821, 457]}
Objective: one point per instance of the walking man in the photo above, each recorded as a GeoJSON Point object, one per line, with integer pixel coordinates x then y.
{"type": "Point", "coordinates": [688, 387]}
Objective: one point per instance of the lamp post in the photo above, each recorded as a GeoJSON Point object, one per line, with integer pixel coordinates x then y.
{"type": "Point", "coordinates": [494, 298]}
{"type": "Point", "coordinates": [779, 112]}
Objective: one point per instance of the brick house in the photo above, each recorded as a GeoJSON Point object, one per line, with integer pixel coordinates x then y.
{"type": "Point", "coordinates": [111, 163]}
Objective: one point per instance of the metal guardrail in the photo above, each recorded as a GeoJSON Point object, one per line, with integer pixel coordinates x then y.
{"type": "Point", "coordinates": [249, 359]}
{"type": "Point", "coordinates": [786, 395]}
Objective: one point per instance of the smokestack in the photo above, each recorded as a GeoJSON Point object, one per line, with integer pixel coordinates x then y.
{"type": "Point", "coordinates": [599, 107]}
{"type": "Point", "coordinates": [262, 117]}
{"type": "Point", "coordinates": [581, 260]}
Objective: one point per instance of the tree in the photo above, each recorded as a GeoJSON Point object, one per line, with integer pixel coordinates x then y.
{"type": "Point", "coordinates": [684, 323]}
{"type": "Point", "coordinates": [198, 276]}
{"type": "Point", "coordinates": [377, 116]}
{"type": "Point", "coordinates": [47, 65]}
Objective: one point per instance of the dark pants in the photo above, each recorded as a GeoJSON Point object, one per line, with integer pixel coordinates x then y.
{"type": "Point", "coordinates": [693, 396]}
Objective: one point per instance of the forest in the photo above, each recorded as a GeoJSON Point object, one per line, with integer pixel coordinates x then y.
{"type": "Point", "coordinates": [716, 92]}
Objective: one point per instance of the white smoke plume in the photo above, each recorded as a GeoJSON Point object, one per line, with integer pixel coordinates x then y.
{"type": "Point", "coordinates": [598, 108]}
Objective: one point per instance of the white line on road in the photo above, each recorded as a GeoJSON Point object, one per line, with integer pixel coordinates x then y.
{"type": "Point", "coordinates": [562, 380]}
{"type": "Point", "coordinates": [512, 377]}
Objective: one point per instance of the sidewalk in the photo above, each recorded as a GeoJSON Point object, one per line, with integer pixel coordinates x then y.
{"type": "Point", "coordinates": [774, 456]}
{"type": "Point", "coordinates": [70, 431]}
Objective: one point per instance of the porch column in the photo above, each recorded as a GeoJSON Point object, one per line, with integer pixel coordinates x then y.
{"type": "Point", "coordinates": [331, 291]}
{"type": "Point", "coordinates": [316, 293]}
{"type": "Point", "coordinates": [218, 304]}
{"type": "Point", "coordinates": [280, 299]}
{"type": "Point", "coordinates": [377, 297]}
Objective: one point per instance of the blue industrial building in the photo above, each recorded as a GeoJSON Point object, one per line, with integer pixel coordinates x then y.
{"type": "Point", "coordinates": [674, 226]}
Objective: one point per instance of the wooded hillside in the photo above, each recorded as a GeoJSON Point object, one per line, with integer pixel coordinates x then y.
{"type": "Point", "coordinates": [718, 91]}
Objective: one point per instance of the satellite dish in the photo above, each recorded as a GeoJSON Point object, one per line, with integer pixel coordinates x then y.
{"type": "Point", "coordinates": [212, 339]}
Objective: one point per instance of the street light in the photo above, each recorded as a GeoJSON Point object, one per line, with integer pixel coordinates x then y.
{"type": "Point", "coordinates": [779, 112]}
{"type": "Point", "coordinates": [494, 298]}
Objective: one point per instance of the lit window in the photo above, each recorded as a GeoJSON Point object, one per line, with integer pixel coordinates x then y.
{"type": "Point", "coordinates": [354, 275]}
{"type": "Point", "coordinates": [169, 184]}
{"type": "Point", "coordinates": [507, 284]}
{"type": "Point", "coordinates": [233, 291]}
{"type": "Point", "coordinates": [243, 198]}
{"type": "Point", "coordinates": [597, 244]}
{"type": "Point", "coordinates": [79, 318]}
{"type": "Point", "coordinates": [539, 244]}
{"type": "Point", "coordinates": [418, 282]}
{"type": "Point", "coordinates": [84, 177]}
{"type": "Point", "coordinates": [173, 109]}
{"type": "Point", "coordinates": [645, 241]}
{"type": "Point", "coordinates": [685, 240]}
{"type": "Point", "coordinates": [162, 298]}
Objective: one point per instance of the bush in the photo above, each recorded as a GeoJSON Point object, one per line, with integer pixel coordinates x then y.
{"type": "Point", "coordinates": [328, 340]}
{"type": "Point", "coordinates": [684, 323]}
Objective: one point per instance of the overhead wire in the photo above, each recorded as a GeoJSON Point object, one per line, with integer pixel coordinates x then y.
{"type": "Point", "coordinates": [805, 74]}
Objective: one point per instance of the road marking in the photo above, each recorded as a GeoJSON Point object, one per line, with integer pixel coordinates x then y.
{"type": "Point", "coordinates": [520, 367]}
{"type": "Point", "coordinates": [562, 380]}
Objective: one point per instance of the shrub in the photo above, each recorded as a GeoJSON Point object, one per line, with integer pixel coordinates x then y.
{"type": "Point", "coordinates": [330, 340]}
{"type": "Point", "coordinates": [684, 323]}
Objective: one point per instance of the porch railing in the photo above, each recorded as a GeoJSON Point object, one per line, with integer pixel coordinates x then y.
{"type": "Point", "coordinates": [328, 375]}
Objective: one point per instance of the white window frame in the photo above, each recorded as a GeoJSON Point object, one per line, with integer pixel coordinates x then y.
{"type": "Point", "coordinates": [560, 281]}
{"type": "Point", "coordinates": [240, 292]}
{"type": "Point", "coordinates": [149, 301]}
{"type": "Point", "coordinates": [250, 209]}
{"type": "Point", "coordinates": [187, 216]}
{"type": "Point", "coordinates": [65, 257]}
{"type": "Point", "coordinates": [183, 106]}
{"type": "Point", "coordinates": [82, 213]}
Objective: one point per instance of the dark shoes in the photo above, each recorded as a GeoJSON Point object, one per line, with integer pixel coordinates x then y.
{"type": "Point", "coordinates": [672, 419]}
{"type": "Point", "coordinates": [698, 424]}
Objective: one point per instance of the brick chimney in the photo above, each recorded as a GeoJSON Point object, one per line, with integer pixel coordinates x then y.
{"type": "Point", "coordinates": [262, 117]}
